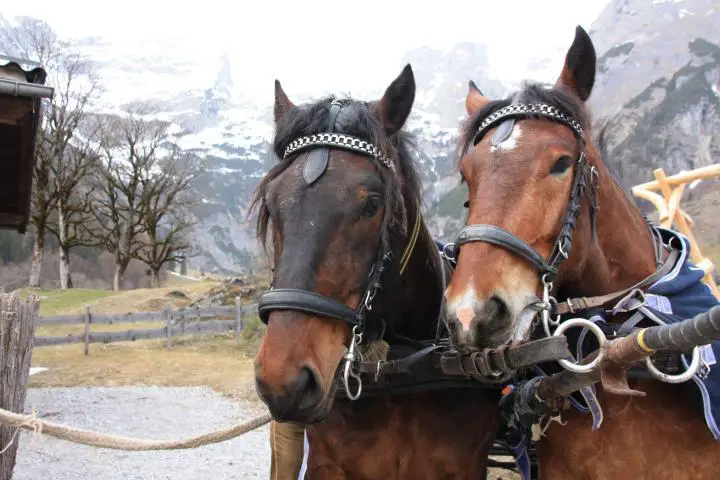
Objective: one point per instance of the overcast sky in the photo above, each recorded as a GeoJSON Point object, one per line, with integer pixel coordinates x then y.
{"type": "Point", "coordinates": [319, 44]}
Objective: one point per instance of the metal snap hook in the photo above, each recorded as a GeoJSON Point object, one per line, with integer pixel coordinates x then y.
{"type": "Point", "coordinates": [547, 302]}
{"type": "Point", "coordinates": [350, 358]}
{"type": "Point", "coordinates": [595, 330]}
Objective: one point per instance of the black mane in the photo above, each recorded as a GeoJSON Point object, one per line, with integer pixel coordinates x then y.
{"type": "Point", "coordinates": [309, 119]}
{"type": "Point", "coordinates": [530, 92]}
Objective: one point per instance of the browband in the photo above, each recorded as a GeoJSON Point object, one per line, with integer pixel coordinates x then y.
{"type": "Point", "coordinates": [517, 110]}
{"type": "Point", "coordinates": [338, 140]}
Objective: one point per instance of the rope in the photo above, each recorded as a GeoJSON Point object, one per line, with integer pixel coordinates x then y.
{"type": "Point", "coordinates": [102, 440]}
{"type": "Point", "coordinates": [32, 423]}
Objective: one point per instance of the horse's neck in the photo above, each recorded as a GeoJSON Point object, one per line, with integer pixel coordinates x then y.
{"type": "Point", "coordinates": [413, 298]}
{"type": "Point", "coordinates": [622, 253]}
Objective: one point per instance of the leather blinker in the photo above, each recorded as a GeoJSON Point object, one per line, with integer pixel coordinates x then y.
{"type": "Point", "coordinates": [319, 158]}
{"type": "Point", "coordinates": [503, 131]}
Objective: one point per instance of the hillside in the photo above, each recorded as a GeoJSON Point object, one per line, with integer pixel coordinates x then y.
{"type": "Point", "coordinates": [657, 88]}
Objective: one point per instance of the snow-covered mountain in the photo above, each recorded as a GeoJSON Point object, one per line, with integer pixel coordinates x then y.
{"type": "Point", "coordinates": [213, 118]}
{"type": "Point", "coordinates": [657, 89]}
{"type": "Point", "coordinates": [657, 85]}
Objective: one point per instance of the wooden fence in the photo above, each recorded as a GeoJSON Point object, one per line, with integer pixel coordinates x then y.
{"type": "Point", "coordinates": [191, 320]}
{"type": "Point", "coordinates": [670, 213]}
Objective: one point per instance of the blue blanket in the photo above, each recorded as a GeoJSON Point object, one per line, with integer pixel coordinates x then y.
{"type": "Point", "coordinates": [682, 294]}
{"type": "Point", "coordinates": [679, 295]}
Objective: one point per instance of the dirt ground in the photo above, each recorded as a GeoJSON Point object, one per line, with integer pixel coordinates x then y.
{"type": "Point", "coordinates": [216, 360]}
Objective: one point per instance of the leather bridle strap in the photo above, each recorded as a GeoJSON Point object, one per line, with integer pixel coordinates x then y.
{"type": "Point", "coordinates": [572, 305]}
{"type": "Point", "coordinates": [502, 238]}
{"type": "Point", "coordinates": [305, 301]}
{"type": "Point", "coordinates": [496, 363]}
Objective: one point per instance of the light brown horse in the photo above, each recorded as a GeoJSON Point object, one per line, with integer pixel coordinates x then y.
{"type": "Point", "coordinates": [520, 170]}
{"type": "Point", "coordinates": [353, 256]}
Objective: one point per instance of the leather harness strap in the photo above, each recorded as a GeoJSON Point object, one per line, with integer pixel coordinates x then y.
{"type": "Point", "coordinates": [572, 305]}
{"type": "Point", "coordinates": [497, 362]}
{"type": "Point", "coordinates": [487, 366]}
{"type": "Point", "coordinates": [502, 238]}
{"type": "Point", "coordinates": [305, 301]}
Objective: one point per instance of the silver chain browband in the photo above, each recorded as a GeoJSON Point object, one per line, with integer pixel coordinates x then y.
{"type": "Point", "coordinates": [524, 109]}
{"type": "Point", "coordinates": [339, 140]}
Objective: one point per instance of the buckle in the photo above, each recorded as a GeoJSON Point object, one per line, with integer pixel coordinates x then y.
{"type": "Point", "coordinates": [630, 302]}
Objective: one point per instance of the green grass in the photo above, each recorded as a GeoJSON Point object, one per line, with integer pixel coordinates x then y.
{"type": "Point", "coordinates": [54, 301]}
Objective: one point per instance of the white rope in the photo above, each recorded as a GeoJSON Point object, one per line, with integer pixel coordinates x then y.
{"type": "Point", "coordinates": [102, 440]}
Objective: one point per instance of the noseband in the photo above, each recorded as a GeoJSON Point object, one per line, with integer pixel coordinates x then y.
{"type": "Point", "coordinates": [582, 175]}
{"type": "Point", "coordinates": [311, 302]}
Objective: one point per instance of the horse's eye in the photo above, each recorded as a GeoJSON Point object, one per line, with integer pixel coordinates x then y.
{"type": "Point", "coordinates": [466, 204]}
{"type": "Point", "coordinates": [561, 165]}
{"type": "Point", "coordinates": [371, 207]}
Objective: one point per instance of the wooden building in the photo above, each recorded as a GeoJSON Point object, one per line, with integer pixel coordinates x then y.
{"type": "Point", "coordinates": [22, 89]}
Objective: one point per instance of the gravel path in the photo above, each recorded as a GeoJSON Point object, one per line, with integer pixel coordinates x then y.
{"type": "Point", "coordinates": [142, 412]}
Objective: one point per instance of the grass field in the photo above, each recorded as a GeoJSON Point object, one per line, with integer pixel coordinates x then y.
{"type": "Point", "coordinates": [215, 360]}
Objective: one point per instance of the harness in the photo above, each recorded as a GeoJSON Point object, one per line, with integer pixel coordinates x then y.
{"type": "Point", "coordinates": [413, 365]}
{"type": "Point", "coordinates": [521, 408]}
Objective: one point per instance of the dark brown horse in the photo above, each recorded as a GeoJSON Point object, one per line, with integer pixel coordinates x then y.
{"type": "Point", "coordinates": [352, 256]}
{"type": "Point", "coordinates": [538, 186]}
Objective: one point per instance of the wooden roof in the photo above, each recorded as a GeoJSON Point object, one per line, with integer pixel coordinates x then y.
{"type": "Point", "coordinates": [20, 111]}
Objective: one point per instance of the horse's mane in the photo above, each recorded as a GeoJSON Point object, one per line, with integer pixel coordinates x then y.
{"type": "Point", "coordinates": [309, 119]}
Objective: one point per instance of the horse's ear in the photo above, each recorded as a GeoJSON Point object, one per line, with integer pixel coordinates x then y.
{"type": "Point", "coordinates": [395, 105]}
{"type": "Point", "coordinates": [282, 102]}
{"type": "Point", "coordinates": [578, 73]}
{"type": "Point", "coordinates": [475, 100]}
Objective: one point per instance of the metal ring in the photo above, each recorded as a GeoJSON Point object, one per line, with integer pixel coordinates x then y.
{"type": "Point", "coordinates": [349, 373]}
{"type": "Point", "coordinates": [595, 330]}
{"type": "Point", "coordinates": [451, 247]}
{"type": "Point", "coordinates": [680, 377]}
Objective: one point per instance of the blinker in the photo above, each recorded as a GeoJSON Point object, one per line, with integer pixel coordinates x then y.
{"type": "Point", "coordinates": [319, 158]}
{"type": "Point", "coordinates": [503, 131]}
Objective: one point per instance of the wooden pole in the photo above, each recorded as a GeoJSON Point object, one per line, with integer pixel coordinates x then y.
{"type": "Point", "coordinates": [88, 320]}
{"type": "Point", "coordinates": [672, 199]}
{"type": "Point", "coordinates": [17, 327]}
{"type": "Point", "coordinates": [168, 325]}
{"type": "Point", "coordinates": [238, 318]}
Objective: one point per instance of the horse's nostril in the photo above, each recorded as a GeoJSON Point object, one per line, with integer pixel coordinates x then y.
{"type": "Point", "coordinates": [308, 391]}
{"type": "Point", "coordinates": [497, 308]}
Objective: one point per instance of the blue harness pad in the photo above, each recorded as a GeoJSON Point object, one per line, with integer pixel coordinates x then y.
{"type": "Point", "coordinates": [679, 295]}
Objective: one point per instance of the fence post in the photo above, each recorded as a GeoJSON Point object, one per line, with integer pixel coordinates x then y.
{"type": "Point", "coordinates": [88, 319]}
{"type": "Point", "coordinates": [17, 326]}
{"type": "Point", "coordinates": [238, 318]}
{"type": "Point", "coordinates": [168, 325]}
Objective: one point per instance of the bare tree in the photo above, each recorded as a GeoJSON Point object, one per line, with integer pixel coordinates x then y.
{"type": "Point", "coordinates": [130, 146]}
{"type": "Point", "coordinates": [74, 157]}
{"type": "Point", "coordinates": [60, 168]}
{"type": "Point", "coordinates": [165, 215]}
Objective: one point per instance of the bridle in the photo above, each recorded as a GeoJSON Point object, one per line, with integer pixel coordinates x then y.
{"type": "Point", "coordinates": [584, 176]}
{"type": "Point", "coordinates": [317, 304]}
